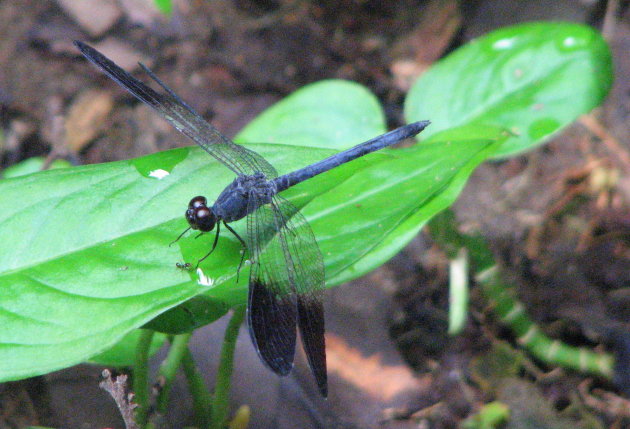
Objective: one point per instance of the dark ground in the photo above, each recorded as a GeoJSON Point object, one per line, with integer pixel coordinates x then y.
{"type": "Point", "coordinates": [561, 231]}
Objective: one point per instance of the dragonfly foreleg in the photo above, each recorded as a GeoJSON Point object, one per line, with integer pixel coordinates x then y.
{"type": "Point", "coordinates": [214, 245]}
{"type": "Point", "coordinates": [180, 236]}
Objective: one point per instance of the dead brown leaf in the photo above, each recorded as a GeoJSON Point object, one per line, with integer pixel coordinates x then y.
{"type": "Point", "coordinates": [86, 117]}
{"type": "Point", "coordinates": [421, 47]}
{"type": "Point", "coordinates": [94, 16]}
{"type": "Point", "coordinates": [368, 373]}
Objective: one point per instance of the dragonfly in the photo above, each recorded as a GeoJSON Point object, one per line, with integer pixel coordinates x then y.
{"type": "Point", "coordinates": [286, 279]}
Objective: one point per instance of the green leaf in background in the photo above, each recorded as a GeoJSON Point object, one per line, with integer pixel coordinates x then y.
{"type": "Point", "coordinates": [164, 6]}
{"type": "Point", "coordinates": [32, 165]}
{"type": "Point", "coordinates": [303, 118]}
{"type": "Point", "coordinates": [533, 79]}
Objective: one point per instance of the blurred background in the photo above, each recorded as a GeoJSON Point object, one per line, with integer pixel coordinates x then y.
{"type": "Point", "coordinates": [557, 216]}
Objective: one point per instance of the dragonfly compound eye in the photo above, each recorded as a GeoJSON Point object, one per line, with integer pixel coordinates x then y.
{"type": "Point", "coordinates": [201, 218]}
{"type": "Point", "coordinates": [198, 201]}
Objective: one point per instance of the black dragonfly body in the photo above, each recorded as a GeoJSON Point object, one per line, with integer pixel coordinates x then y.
{"type": "Point", "coordinates": [287, 273]}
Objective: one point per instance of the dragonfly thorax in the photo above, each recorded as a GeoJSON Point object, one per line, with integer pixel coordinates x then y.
{"type": "Point", "coordinates": [244, 195]}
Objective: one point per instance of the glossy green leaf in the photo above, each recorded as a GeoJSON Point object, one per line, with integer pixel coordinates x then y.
{"type": "Point", "coordinates": [533, 79]}
{"type": "Point", "coordinates": [408, 229]}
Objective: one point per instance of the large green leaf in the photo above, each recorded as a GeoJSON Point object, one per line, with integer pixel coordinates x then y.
{"type": "Point", "coordinates": [165, 6]}
{"type": "Point", "coordinates": [533, 79]}
{"type": "Point", "coordinates": [87, 260]}
{"type": "Point", "coordinates": [85, 256]}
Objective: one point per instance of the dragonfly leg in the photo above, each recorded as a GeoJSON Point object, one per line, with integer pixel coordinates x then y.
{"type": "Point", "coordinates": [214, 245]}
{"type": "Point", "coordinates": [180, 236]}
{"type": "Point", "coordinates": [238, 270]}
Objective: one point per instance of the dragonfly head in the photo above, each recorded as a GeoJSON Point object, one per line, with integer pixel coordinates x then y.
{"type": "Point", "coordinates": [199, 215]}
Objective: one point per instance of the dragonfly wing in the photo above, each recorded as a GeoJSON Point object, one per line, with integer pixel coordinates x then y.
{"type": "Point", "coordinates": [181, 116]}
{"type": "Point", "coordinates": [271, 306]}
{"type": "Point", "coordinates": [289, 255]}
{"type": "Point", "coordinates": [305, 260]}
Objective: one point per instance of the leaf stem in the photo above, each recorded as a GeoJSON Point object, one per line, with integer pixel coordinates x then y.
{"type": "Point", "coordinates": [141, 376]}
{"type": "Point", "coordinates": [224, 373]}
{"type": "Point", "coordinates": [202, 399]}
{"type": "Point", "coordinates": [168, 369]}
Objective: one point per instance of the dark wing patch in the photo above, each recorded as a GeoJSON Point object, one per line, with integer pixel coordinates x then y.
{"type": "Point", "coordinates": [271, 320]}
{"type": "Point", "coordinates": [272, 307]}
{"type": "Point", "coordinates": [305, 259]}
{"type": "Point", "coordinates": [181, 116]}
{"type": "Point", "coordinates": [287, 258]}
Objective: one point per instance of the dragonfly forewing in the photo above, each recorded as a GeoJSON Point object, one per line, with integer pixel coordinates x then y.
{"type": "Point", "coordinates": [181, 116]}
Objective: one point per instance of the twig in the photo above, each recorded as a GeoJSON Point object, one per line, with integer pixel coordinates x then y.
{"type": "Point", "coordinates": [595, 127]}
{"type": "Point", "coordinates": [610, 20]}
{"type": "Point", "coordinates": [118, 390]}
{"type": "Point", "coordinates": [604, 402]}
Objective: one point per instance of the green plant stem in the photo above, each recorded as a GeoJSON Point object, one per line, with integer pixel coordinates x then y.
{"type": "Point", "coordinates": [458, 292]}
{"type": "Point", "coordinates": [511, 312]}
{"type": "Point", "coordinates": [202, 399]}
{"type": "Point", "coordinates": [224, 374]}
{"type": "Point", "coordinates": [168, 369]}
{"type": "Point", "coordinates": [489, 416]}
{"type": "Point", "coordinates": [141, 376]}
{"type": "Point", "coordinates": [529, 335]}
